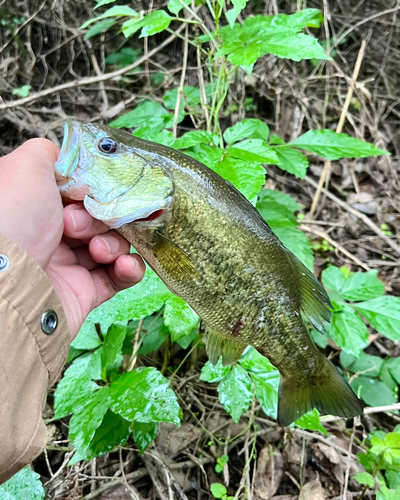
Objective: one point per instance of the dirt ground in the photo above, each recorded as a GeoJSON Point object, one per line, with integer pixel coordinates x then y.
{"type": "Point", "coordinates": [48, 52]}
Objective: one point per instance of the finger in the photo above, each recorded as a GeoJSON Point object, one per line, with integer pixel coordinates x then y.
{"type": "Point", "coordinates": [83, 258]}
{"type": "Point", "coordinates": [80, 225]}
{"type": "Point", "coordinates": [111, 279]}
{"type": "Point", "coordinates": [105, 249]}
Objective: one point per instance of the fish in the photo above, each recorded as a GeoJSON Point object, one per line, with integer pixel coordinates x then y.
{"type": "Point", "coordinates": [211, 247]}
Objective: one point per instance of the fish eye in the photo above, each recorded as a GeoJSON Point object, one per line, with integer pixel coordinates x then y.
{"type": "Point", "coordinates": [107, 145]}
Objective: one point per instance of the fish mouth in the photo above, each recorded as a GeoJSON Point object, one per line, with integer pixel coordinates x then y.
{"type": "Point", "coordinates": [68, 159]}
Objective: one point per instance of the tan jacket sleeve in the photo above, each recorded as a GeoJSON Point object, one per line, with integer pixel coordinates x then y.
{"type": "Point", "coordinates": [30, 360]}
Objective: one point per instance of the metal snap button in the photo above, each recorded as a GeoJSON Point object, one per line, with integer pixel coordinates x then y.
{"type": "Point", "coordinates": [49, 322]}
{"type": "Point", "coordinates": [4, 263]}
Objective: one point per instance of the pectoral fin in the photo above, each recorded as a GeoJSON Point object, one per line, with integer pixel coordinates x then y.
{"type": "Point", "coordinates": [218, 345]}
{"type": "Point", "coordinates": [175, 260]}
{"type": "Point", "coordinates": [315, 302]}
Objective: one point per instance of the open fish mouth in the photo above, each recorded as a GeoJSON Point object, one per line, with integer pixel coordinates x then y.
{"type": "Point", "coordinates": [68, 159]}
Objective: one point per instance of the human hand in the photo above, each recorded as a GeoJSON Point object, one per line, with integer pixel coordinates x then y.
{"type": "Point", "coordinates": [85, 261]}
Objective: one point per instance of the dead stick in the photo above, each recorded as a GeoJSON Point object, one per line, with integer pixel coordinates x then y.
{"type": "Point", "coordinates": [339, 128]}
{"type": "Point", "coordinates": [359, 215]}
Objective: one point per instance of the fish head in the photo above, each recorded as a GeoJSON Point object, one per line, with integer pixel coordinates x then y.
{"type": "Point", "coordinates": [116, 183]}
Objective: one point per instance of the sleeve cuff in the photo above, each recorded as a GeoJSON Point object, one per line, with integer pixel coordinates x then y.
{"type": "Point", "coordinates": [28, 290]}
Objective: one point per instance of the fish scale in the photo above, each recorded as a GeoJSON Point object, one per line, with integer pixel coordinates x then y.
{"type": "Point", "coordinates": [211, 247]}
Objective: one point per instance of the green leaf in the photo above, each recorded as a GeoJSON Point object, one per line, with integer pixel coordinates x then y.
{"type": "Point", "coordinates": [251, 128]}
{"type": "Point", "coordinates": [285, 201]}
{"type": "Point", "coordinates": [333, 146]}
{"type": "Point", "coordinates": [333, 279]}
{"type": "Point", "coordinates": [154, 334]}
{"type": "Point", "coordinates": [266, 388]}
{"type": "Point", "coordinates": [194, 137]}
{"type": "Point", "coordinates": [112, 346]}
{"type": "Point", "coordinates": [22, 92]}
{"type": "Point", "coordinates": [147, 113]}
{"type": "Point", "coordinates": [362, 286]}
{"type": "Point", "coordinates": [373, 392]}
{"type": "Point", "coordinates": [113, 431]}
{"type": "Point", "coordinates": [100, 3]}
{"type": "Point", "coordinates": [211, 373]}
{"type": "Point", "coordinates": [349, 332]}
{"type": "Point", "coordinates": [190, 98]}
{"type": "Point", "coordinates": [23, 486]}
{"type": "Point", "coordinates": [291, 160]}
{"type": "Point", "coordinates": [312, 422]}
{"type": "Point", "coordinates": [364, 478]}
{"type": "Point", "coordinates": [179, 318]}
{"type": "Point", "coordinates": [87, 337]}
{"type": "Point", "coordinates": [155, 22]}
{"type": "Point", "coordinates": [116, 11]}
{"type": "Point", "coordinates": [235, 392]}
{"type": "Point", "coordinates": [253, 150]}
{"type": "Point", "coordinates": [365, 363]}
{"type": "Point", "coordinates": [123, 57]}
{"type": "Point", "coordinates": [144, 434]}
{"type": "Point", "coordinates": [87, 418]}
{"type": "Point", "coordinates": [99, 27]}
{"type": "Point", "coordinates": [248, 177]}
{"type": "Point", "coordinates": [74, 388]}
{"type": "Point", "coordinates": [218, 490]}
{"type": "Point", "coordinates": [137, 302]}
{"type": "Point", "coordinates": [255, 362]}
{"type": "Point", "coordinates": [392, 366]}
{"type": "Point", "coordinates": [386, 494]}
{"type": "Point", "coordinates": [175, 6]}
{"type": "Point", "coordinates": [393, 479]}
{"type": "Point", "coordinates": [209, 155]}
{"type": "Point", "coordinates": [232, 14]}
{"type": "Point", "coordinates": [306, 18]}
{"type": "Point", "coordinates": [144, 395]}
{"type": "Point", "coordinates": [384, 315]}
{"type": "Point", "coordinates": [185, 342]}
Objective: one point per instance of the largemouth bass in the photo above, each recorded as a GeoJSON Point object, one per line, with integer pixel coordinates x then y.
{"type": "Point", "coordinates": [211, 247]}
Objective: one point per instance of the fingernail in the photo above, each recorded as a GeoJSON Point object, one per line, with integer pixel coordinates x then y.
{"type": "Point", "coordinates": [81, 220]}
{"type": "Point", "coordinates": [111, 243]}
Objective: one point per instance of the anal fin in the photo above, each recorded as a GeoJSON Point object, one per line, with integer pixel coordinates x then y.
{"type": "Point", "coordinates": [218, 345]}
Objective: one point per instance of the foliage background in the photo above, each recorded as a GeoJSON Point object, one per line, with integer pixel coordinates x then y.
{"type": "Point", "coordinates": [42, 47]}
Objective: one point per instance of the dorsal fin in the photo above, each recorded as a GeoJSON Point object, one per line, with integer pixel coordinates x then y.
{"type": "Point", "coordinates": [315, 303]}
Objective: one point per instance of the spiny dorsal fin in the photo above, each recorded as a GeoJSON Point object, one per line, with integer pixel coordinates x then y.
{"type": "Point", "coordinates": [174, 260]}
{"type": "Point", "coordinates": [218, 345]}
{"type": "Point", "coordinates": [315, 302]}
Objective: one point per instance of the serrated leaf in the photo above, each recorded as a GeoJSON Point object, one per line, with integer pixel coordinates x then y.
{"type": "Point", "coordinates": [175, 6]}
{"type": "Point", "coordinates": [112, 346]}
{"type": "Point", "coordinates": [312, 422]}
{"type": "Point", "coordinates": [87, 337]}
{"type": "Point", "coordinates": [364, 478]}
{"type": "Point", "coordinates": [372, 391]}
{"type": "Point", "coordinates": [113, 431]}
{"type": "Point", "coordinates": [24, 485]}
{"type": "Point", "coordinates": [144, 395]}
{"type": "Point", "coordinates": [248, 177]}
{"type": "Point", "coordinates": [311, 18]}
{"type": "Point", "coordinates": [266, 388]}
{"type": "Point", "coordinates": [292, 161]}
{"type": "Point", "coordinates": [180, 318]}
{"type": "Point", "coordinates": [144, 434]}
{"type": "Point", "coordinates": [295, 240]}
{"type": "Point", "coordinates": [146, 113]}
{"type": "Point", "coordinates": [349, 332]}
{"type": "Point", "coordinates": [251, 128]}
{"type": "Point", "coordinates": [116, 11]}
{"type": "Point", "coordinates": [211, 373]}
{"type": "Point", "coordinates": [333, 146]}
{"type": "Point", "coordinates": [235, 392]}
{"type": "Point", "coordinates": [87, 417]}
{"type": "Point", "coordinates": [99, 27]}
{"type": "Point", "coordinates": [75, 386]}
{"type": "Point", "coordinates": [137, 302]}
{"type": "Point", "coordinates": [253, 150]}
{"type": "Point", "coordinates": [384, 315]}
{"type": "Point", "coordinates": [194, 137]}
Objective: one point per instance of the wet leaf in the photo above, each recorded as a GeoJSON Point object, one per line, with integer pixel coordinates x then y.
{"type": "Point", "coordinates": [235, 392]}
{"type": "Point", "coordinates": [179, 318]}
{"type": "Point", "coordinates": [291, 160]}
{"type": "Point", "coordinates": [349, 332]}
{"type": "Point", "coordinates": [251, 129]}
{"type": "Point", "coordinates": [362, 286]}
{"type": "Point", "coordinates": [112, 346]}
{"type": "Point", "coordinates": [87, 337]}
{"type": "Point", "coordinates": [266, 387]}
{"type": "Point", "coordinates": [333, 146]}
{"type": "Point", "coordinates": [144, 434]}
{"type": "Point", "coordinates": [23, 486]}
{"type": "Point", "coordinates": [211, 373]}
{"type": "Point", "coordinates": [144, 395]}
{"type": "Point", "coordinates": [373, 392]}
{"type": "Point", "coordinates": [312, 422]}
{"type": "Point", "coordinates": [384, 315]}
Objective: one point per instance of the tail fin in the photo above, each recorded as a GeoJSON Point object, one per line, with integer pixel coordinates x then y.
{"type": "Point", "coordinates": [328, 391]}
